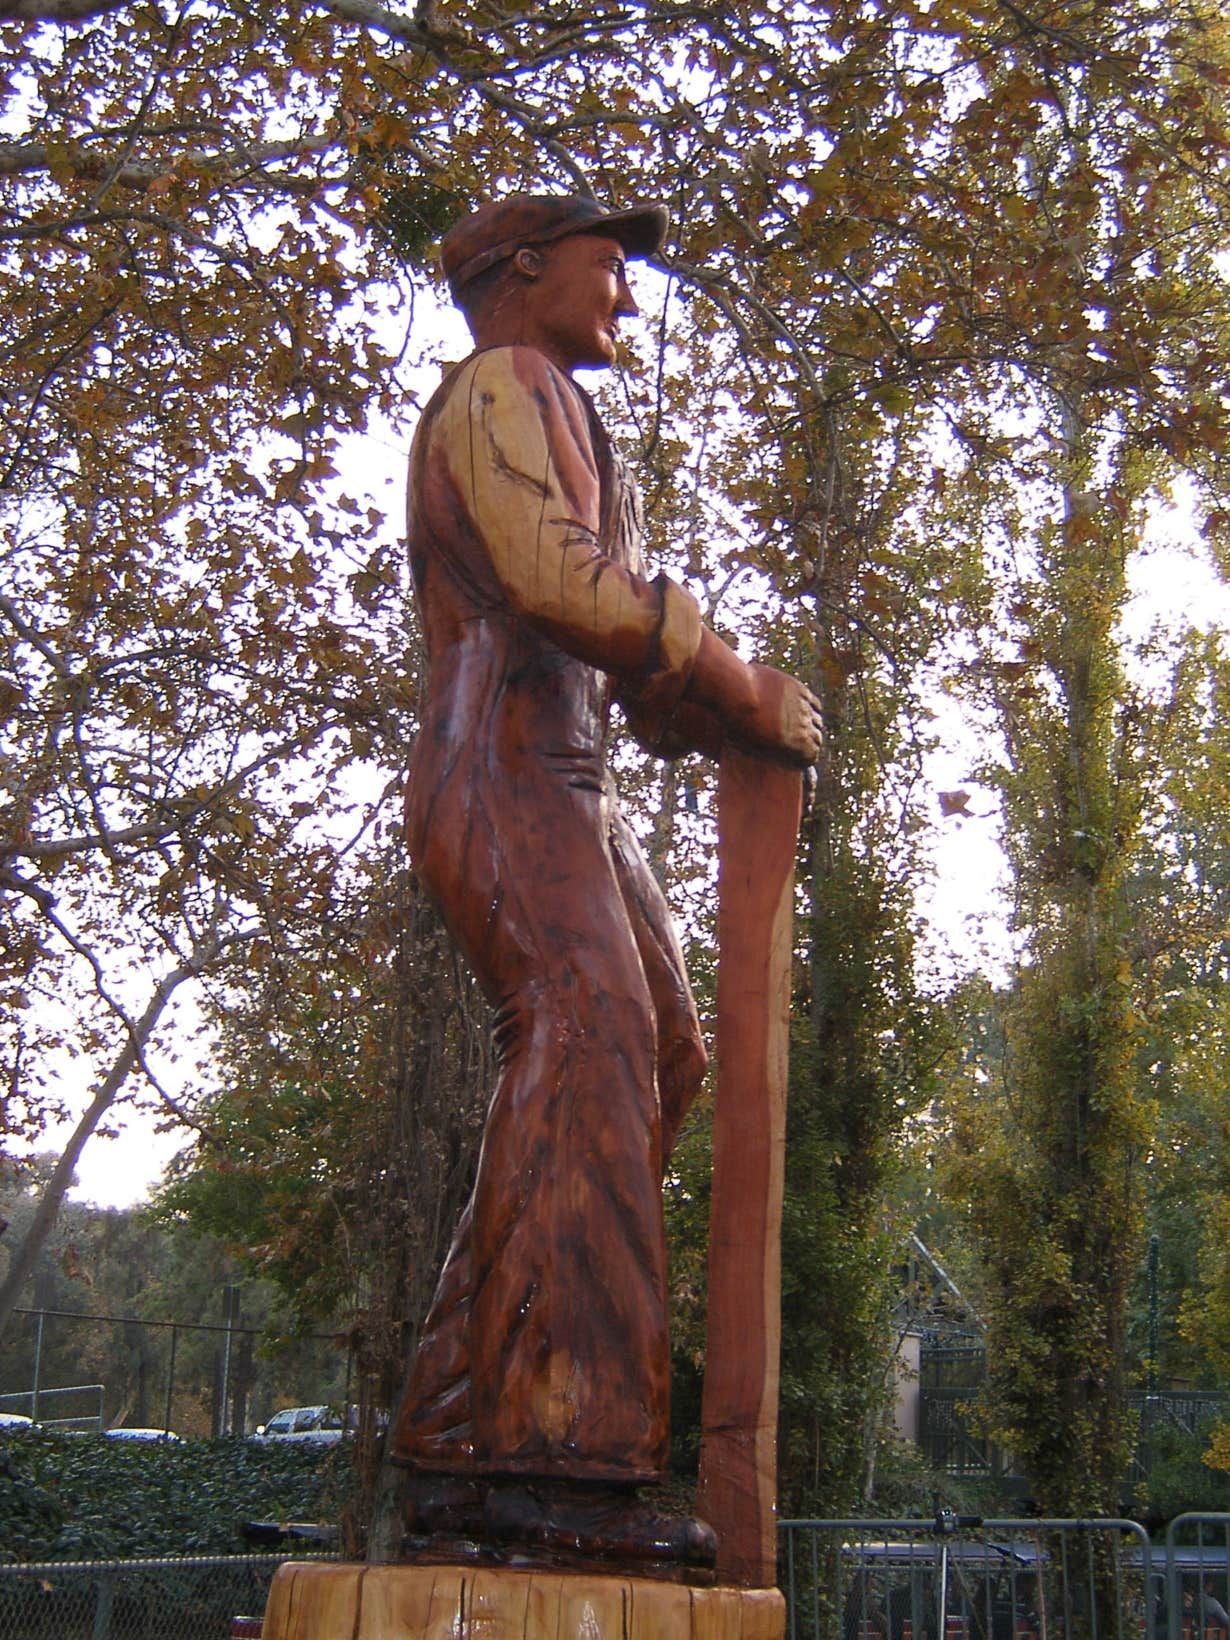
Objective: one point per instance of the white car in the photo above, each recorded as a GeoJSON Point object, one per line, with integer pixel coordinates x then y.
{"type": "Point", "coordinates": [319, 1426]}
{"type": "Point", "coordinates": [124, 1433]}
{"type": "Point", "coordinates": [15, 1422]}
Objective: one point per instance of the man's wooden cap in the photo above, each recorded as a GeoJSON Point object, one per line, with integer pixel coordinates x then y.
{"type": "Point", "coordinates": [498, 230]}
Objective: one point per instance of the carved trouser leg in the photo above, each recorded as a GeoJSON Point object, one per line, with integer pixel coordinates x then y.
{"type": "Point", "coordinates": [545, 1352]}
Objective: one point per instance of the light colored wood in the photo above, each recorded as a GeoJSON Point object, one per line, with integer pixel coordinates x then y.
{"type": "Point", "coordinates": [759, 806]}
{"type": "Point", "coordinates": [392, 1604]}
{"type": "Point", "coordinates": [307, 1600]}
{"type": "Point", "coordinates": [497, 1606]}
{"type": "Point", "coordinates": [313, 1601]}
{"type": "Point", "coordinates": [660, 1611]}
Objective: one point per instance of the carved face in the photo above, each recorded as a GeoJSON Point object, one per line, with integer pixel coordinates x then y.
{"type": "Point", "coordinates": [578, 293]}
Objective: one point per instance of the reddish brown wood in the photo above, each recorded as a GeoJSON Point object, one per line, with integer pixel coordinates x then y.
{"type": "Point", "coordinates": [759, 807]}
{"type": "Point", "coordinates": [545, 1354]}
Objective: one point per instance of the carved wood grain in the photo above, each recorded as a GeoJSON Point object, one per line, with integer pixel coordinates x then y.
{"type": "Point", "coordinates": [759, 806]}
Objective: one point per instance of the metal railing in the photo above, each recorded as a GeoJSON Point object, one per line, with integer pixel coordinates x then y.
{"type": "Point", "coordinates": [945, 1436]}
{"type": "Point", "coordinates": [1197, 1574]}
{"type": "Point", "coordinates": [184, 1365]}
{"type": "Point", "coordinates": [33, 1403]}
{"type": "Point", "coordinates": [189, 1599]}
{"type": "Point", "coordinates": [958, 1578]}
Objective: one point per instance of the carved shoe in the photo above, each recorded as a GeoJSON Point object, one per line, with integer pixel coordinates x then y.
{"type": "Point", "coordinates": [450, 1505]}
{"type": "Point", "coordinates": [596, 1523]}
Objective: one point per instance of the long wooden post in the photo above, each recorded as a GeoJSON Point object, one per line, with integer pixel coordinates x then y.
{"type": "Point", "coordinates": [759, 805]}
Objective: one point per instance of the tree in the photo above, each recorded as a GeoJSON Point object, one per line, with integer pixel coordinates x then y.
{"type": "Point", "coordinates": [1179, 909]}
{"type": "Point", "coordinates": [1058, 1187]}
{"type": "Point", "coordinates": [188, 641]}
{"type": "Point", "coordinates": [353, 1076]}
{"type": "Point", "coordinates": [342, 1135]}
{"type": "Point", "coordinates": [137, 1308]}
{"type": "Point", "coordinates": [157, 222]}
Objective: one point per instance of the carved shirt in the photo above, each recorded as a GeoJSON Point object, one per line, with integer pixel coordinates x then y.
{"type": "Point", "coordinates": [525, 539]}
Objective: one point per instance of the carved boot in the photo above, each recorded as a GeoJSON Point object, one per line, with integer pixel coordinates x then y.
{"type": "Point", "coordinates": [599, 1523]}
{"type": "Point", "coordinates": [442, 1505]}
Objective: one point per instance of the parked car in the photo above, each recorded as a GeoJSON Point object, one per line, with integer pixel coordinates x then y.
{"type": "Point", "coordinates": [15, 1422]}
{"type": "Point", "coordinates": [124, 1433]}
{"type": "Point", "coordinates": [318, 1426]}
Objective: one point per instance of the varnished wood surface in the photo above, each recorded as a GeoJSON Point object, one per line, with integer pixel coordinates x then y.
{"type": "Point", "coordinates": [313, 1601]}
{"type": "Point", "coordinates": [545, 1352]}
{"type": "Point", "coordinates": [759, 807]}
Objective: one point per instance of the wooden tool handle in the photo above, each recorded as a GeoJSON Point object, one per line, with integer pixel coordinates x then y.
{"type": "Point", "coordinates": [759, 808]}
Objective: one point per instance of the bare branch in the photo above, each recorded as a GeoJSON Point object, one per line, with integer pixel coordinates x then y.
{"type": "Point", "coordinates": [155, 831]}
{"type": "Point", "coordinates": [396, 25]}
{"type": "Point", "coordinates": [26, 158]}
{"type": "Point", "coordinates": [126, 1061]}
{"type": "Point", "coordinates": [42, 897]}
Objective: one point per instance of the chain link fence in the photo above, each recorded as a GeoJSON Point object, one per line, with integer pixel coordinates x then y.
{"type": "Point", "coordinates": [196, 1378]}
{"type": "Point", "coordinates": [199, 1599]}
{"type": "Point", "coordinates": [952, 1578]}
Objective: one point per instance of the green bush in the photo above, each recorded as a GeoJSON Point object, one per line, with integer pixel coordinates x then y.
{"type": "Point", "coordinates": [83, 1497]}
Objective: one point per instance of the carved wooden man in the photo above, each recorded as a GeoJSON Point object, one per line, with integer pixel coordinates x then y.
{"type": "Point", "coordinates": [539, 1394]}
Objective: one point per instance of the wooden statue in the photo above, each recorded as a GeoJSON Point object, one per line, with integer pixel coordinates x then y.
{"type": "Point", "coordinates": [538, 1400]}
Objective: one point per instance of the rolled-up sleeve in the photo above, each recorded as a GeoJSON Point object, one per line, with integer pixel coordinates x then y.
{"type": "Point", "coordinates": [515, 438]}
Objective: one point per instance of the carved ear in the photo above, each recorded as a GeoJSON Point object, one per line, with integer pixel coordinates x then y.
{"type": "Point", "coordinates": [528, 262]}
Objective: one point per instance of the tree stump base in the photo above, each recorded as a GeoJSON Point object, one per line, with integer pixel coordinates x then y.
{"type": "Point", "coordinates": [319, 1601]}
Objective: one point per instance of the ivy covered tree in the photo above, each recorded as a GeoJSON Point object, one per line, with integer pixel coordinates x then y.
{"type": "Point", "coordinates": [1179, 909]}
{"type": "Point", "coordinates": [1057, 1172]}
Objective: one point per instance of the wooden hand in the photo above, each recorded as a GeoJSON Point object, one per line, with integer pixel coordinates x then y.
{"type": "Point", "coordinates": [788, 717]}
{"type": "Point", "coordinates": [762, 709]}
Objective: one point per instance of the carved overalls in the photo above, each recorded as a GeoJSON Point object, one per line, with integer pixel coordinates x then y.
{"type": "Point", "coordinates": [546, 1351]}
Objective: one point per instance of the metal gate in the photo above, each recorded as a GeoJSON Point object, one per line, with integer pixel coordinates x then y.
{"type": "Point", "coordinates": [961, 1578]}
{"type": "Point", "coordinates": [1197, 1558]}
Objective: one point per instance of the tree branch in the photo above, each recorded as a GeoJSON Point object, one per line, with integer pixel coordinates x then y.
{"type": "Point", "coordinates": [155, 831]}
{"type": "Point", "coordinates": [24, 158]}
{"type": "Point", "coordinates": [129, 1057]}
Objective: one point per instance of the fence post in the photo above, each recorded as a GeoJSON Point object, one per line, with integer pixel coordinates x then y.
{"type": "Point", "coordinates": [230, 1312]}
{"type": "Point", "coordinates": [102, 1611]}
{"type": "Point", "coordinates": [38, 1364]}
{"type": "Point", "coordinates": [166, 1416]}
